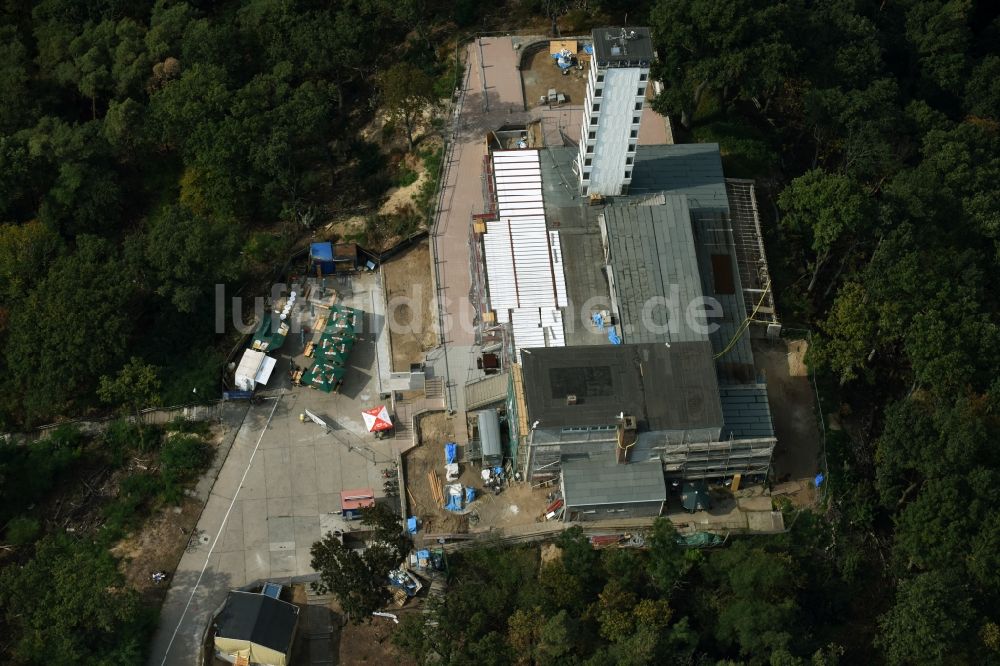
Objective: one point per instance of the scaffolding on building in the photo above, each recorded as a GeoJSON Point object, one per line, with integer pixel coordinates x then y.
{"type": "Point", "coordinates": [751, 260]}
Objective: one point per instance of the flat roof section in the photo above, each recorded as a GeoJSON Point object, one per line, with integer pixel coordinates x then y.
{"type": "Point", "coordinates": [622, 47]}
{"type": "Point", "coordinates": [653, 259]}
{"type": "Point", "coordinates": [690, 169]}
{"type": "Point", "coordinates": [599, 481]}
{"type": "Point", "coordinates": [665, 388]}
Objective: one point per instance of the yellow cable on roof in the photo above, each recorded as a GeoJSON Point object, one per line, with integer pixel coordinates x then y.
{"type": "Point", "coordinates": [746, 322]}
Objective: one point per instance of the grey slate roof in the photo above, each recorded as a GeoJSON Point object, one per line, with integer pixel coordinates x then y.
{"type": "Point", "coordinates": [609, 51]}
{"type": "Point", "coordinates": [599, 480]}
{"type": "Point", "coordinates": [652, 255]}
{"type": "Point", "coordinates": [745, 411]}
{"type": "Point", "coordinates": [263, 620]}
{"type": "Point", "coordinates": [693, 170]}
{"type": "Point", "coordinates": [665, 388]}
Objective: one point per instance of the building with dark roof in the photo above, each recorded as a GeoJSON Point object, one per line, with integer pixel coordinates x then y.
{"type": "Point", "coordinates": [597, 488]}
{"type": "Point", "coordinates": [668, 241]}
{"type": "Point", "coordinates": [257, 628]}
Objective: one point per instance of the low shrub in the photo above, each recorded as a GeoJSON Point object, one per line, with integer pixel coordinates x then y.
{"type": "Point", "coordinates": [22, 530]}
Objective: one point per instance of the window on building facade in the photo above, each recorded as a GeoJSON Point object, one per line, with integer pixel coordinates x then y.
{"type": "Point", "coordinates": [587, 162]}
{"type": "Point", "coordinates": [598, 91]}
{"type": "Point", "coordinates": [628, 174]}
{"type": "Point", "coordinates": [591, 135]}
{"type": "Point", "coordinates": [631, 147]}
{"type": "Point", "coordinates": [638, 106]}
{"type": "Point", "coordinates": [643, 76]}
{"type": "Point", "coordinates": [586, 175]}
{"type": "Point", "coordinates": [628, 160]}
{"type": "Point", "coordinates": [633, 134]}
{"type": "Point", "coordinates": [642, 91]}
{"type": "Point", "coordinates": [635, 120]}
{"type": "Point", "coordinates": [597, 107]}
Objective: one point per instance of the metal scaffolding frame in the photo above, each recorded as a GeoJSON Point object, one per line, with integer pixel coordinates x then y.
{"type": "Point", "coordinates": [751, 260]}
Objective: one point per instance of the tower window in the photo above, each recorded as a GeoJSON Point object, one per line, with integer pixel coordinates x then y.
{"type": "Point", "coordinates": [593, 120]}
{"type": "Point", "coordinates": [629, 160]}
{"type": "Point", "coordinates": [635, 120]}
{"type": "Point", "coordinates": [597, 107]}
{"type": "Point", "coordinates": [638, 106]}
{"type": "Point", "coordinates": [591, 135]}
{"type": "Point", "coordinates": [600, 78]}
{"type": "Point", "coordinates": [643, 76]}
{"type": "Point", "coordinates": [587, 162]}
{"type": "Point", "coordinates": [633, 134]}
{"type": "Point", "coordinates": [598, 91]}
{"type": "Point", "coordinates": [628, 174]}
{"type": "Point", "coordinates": [642, 91]}
{"type": "Point", "coordinates": [586, 175]}
{"type": "Point", "coordinates": [631, 147]}
{"type": "Point", "coordinates": [590, 150]}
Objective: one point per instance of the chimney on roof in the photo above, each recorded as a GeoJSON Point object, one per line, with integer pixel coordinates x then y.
{"type": "Point", "coordinates": [627, 434]}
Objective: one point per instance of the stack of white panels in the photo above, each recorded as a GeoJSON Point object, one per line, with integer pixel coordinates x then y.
{"type": "Point", "coordinates": [523, 260]}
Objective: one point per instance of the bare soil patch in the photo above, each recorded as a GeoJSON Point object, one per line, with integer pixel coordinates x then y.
{"type": "Point", "coordinates": [435, 429]}
{"type": "Point", "coordinates": [517, 504]}
{"type": "Point", "coordinates": [370, 643]}
{"type": "Point", "coordinates": [158, 546]}
{"type": "Point", "coordinates": [793, 407]}
{"type": "Point", "coordinates": [542, 73]}
{"type": "Point", "coordinates": [410, 302]}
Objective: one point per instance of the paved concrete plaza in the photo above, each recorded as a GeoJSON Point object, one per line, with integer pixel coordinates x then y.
{"type": "Point", "coordinates": [277, 487]}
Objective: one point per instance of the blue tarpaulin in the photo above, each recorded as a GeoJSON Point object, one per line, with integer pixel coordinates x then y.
{"type": "Point", "coordinates": [450, 452]}
{"type": "Point", "coordinates": [321, 254]}
{"type": "Point", "coordinates": [411, 525]}
{"type": "Point", "coordinates": [470, 494]}
{"type": "Point", "coordinates": [613, 337]}
{"type": "Point", "coordinates": [454, 503]}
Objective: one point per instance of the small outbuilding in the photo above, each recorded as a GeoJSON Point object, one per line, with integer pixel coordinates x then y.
{"type": "Point", "coordinates": [489, 437]}
{"type": "Point", "coordinates": [254, 628]}
{"type": "Point", "coordinates": [255, 368]}
{"type": "Point", "coordinates": [599, 488]}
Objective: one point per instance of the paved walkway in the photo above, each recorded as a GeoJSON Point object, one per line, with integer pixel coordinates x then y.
{"type": "Point", "coordinates": [279, 483]}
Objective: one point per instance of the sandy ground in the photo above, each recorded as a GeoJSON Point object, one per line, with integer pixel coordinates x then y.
{"type": "Point", "coordinates": [793, 408]}
{"type": "Point", "coordinates": [370, 643]}
{"type": "Point", "coordinates": [409, 297]}
{"type": "Point", "coordinates": [542, 74]}
{"type": "Point", "coordinates": [160, 542]}
{"type": "Point", "coordinates": [158, 546]}
{"type": "Point", "coordinates": [518, 504]}
{"type": "Point", "coordinates": [435, 430]}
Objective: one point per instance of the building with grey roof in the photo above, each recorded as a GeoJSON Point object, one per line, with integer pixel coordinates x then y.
{"type": "Point", "coordinates": [597, 488]}
{"type": "Point", "coordinates": [653, 270]}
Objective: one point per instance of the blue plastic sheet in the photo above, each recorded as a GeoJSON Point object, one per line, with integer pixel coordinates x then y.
{"type": "Point", "coordinates": [470, 494]}
{"type": "Point", "coordinates": [613, 337]}
{"type": "Point", "coordinates": [411, 525]}
{"type": "Point", "coordinates": [454, 503]}
{"type": "Point", "coordinates": [450, 452]}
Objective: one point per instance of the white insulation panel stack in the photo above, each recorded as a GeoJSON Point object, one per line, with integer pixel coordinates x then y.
{"type": "Point", "coordinates": [524, 261]}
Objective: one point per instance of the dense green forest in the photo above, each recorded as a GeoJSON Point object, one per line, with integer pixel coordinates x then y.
{"type": "Point", "coordinates": [876, 129]}
{"type": "Point", "coordinates": [151, 150]}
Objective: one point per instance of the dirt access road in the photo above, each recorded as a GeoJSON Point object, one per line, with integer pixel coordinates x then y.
{"type": "Point", "coordinates": [410, 313]}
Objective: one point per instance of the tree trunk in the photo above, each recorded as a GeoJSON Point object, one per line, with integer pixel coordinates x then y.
{"type": "Point", "coordinates": [409, 130]}
{"type": "Point", "coordinates": [820, 262]}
